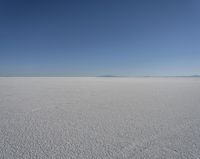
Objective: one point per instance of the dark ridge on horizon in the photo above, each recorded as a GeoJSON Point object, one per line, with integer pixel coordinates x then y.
{"type": "Point", "coordinates": [106, 75]}
{"type": "Point", "coordinates": [195, 75]}
{"type": "Point", "coordinates": [109, 76]}
{"type": "Point", "coordinates": [149, 76]}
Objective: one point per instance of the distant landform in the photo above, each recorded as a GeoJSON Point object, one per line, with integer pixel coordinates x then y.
{"type": "Point", "coordinates": [195, 75]}
{"type": "Point", "coordinates": [146, 76]}
{"type": "Point", "coordinates": [109, 76]}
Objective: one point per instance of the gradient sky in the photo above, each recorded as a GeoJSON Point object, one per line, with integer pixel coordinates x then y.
{"type": "Point", "coordinates": [97, 37]}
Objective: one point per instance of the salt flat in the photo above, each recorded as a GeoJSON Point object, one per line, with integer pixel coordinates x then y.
{"type": "Point", "coordinates": [99, 118]}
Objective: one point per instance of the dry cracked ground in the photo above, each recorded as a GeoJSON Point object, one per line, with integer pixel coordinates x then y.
{"type": "Point", "coordinates": [99, 118]}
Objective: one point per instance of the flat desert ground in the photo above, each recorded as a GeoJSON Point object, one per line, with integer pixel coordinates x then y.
{"type": "Point", "coordinates": [99, 118]}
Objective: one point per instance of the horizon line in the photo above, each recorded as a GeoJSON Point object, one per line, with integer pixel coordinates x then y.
{"type": "Point", "coordinates": [110, 76]}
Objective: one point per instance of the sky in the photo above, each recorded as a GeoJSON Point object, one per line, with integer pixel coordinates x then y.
{"type": "Point", "coordinates": [99, 37]}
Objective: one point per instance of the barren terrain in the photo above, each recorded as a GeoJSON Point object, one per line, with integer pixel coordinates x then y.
{"type": "Point", "coordinates": [99, 118]}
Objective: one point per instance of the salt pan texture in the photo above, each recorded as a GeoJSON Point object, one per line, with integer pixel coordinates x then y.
{"type": "Point", "coordinates": [87, 118]}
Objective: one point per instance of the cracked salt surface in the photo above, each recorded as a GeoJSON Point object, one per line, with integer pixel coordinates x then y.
{"type": "Point", "coordinates": [113, 118]}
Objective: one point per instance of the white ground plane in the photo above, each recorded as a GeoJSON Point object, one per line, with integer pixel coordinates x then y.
{"type": "Point", "coordinates": [99, 118]}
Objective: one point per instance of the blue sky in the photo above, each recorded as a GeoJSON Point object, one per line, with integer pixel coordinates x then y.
{"type": "Point", "coordinates": [97, 37]}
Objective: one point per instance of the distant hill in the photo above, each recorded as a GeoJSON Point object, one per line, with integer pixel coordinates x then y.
{"type": "Point", "coordinates": [109, 76]}
{"type": "Point", "coordinates": [147, 76]}
{"type": "Point", "coordinates": [195, 76]}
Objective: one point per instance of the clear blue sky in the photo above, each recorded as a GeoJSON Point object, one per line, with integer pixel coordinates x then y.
{"type": "Point", "coordinates": [97, 37]}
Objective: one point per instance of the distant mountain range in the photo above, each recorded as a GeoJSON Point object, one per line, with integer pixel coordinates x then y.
{"type": "Point", "coordinates": [109, 76]}
{"type": "Point", "coordinates": [195, 75]}
{"type": "Point", "coordinates": [146, 76]}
